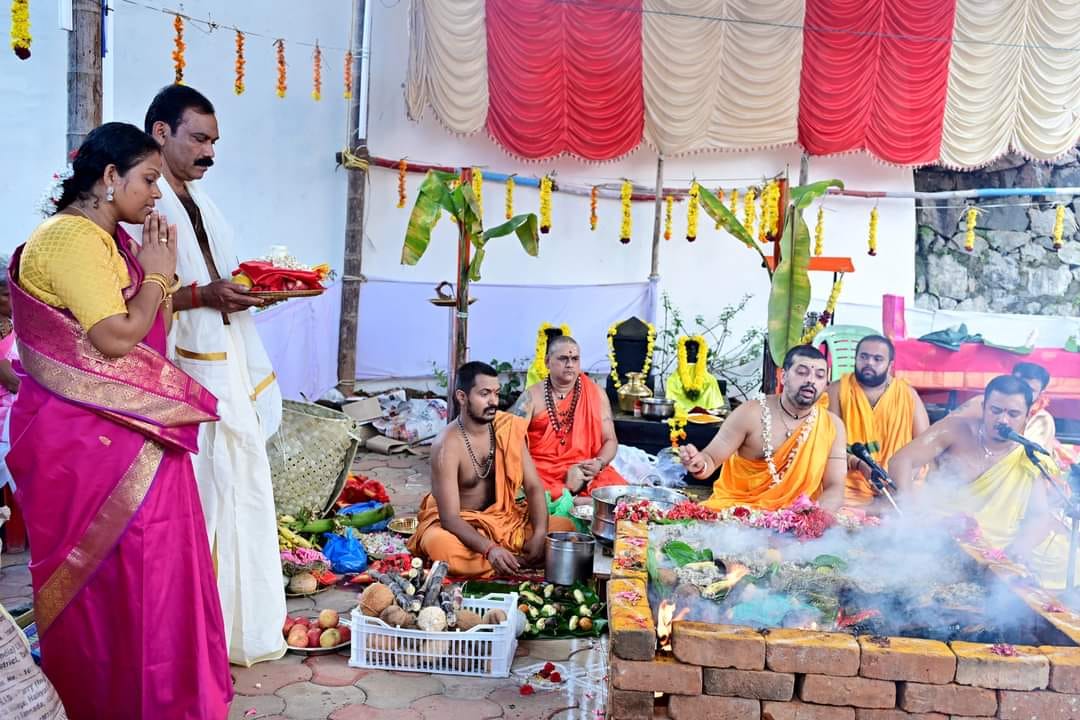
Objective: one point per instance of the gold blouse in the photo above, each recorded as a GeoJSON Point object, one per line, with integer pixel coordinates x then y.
{"type": "Point", "coordinates": [70, 263]}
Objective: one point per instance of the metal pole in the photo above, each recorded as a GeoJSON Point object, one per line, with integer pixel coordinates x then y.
{"type": "Point", "coordinates": [654, 271]}
{"type": "Point", "coordinates": [84, 72]}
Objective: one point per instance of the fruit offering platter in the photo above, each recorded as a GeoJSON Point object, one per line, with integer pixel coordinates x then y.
{"type": "Point", "coordinates": [382, 544]}
{"type": "Point", "coordinates": [320, 635]}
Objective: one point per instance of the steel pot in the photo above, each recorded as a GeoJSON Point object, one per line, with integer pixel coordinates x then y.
{"type": "Point", "coordinates": [657, 408]}
{"type": "Point", "coordinates": [568, 557]}
{"type": "Point", "coordinates": [606, 499]}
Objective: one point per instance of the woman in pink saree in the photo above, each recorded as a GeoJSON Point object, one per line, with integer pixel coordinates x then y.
{"type": "Point", "coordinates": [101, 431]}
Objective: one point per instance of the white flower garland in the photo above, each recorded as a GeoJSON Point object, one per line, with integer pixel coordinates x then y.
{"type": "Point", "coordinates": [55, 191]}
{"type": "Point", "coordinates": [766, 438]}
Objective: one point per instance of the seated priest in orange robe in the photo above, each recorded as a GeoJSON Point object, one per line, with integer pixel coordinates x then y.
{"type": "Point", "coordinates": [571, 431]}
{"type": "Point", "coordinates": [777, 447]}
{"type": "Point", "coordinates": [879, 410]}
{"type": "Point", "coordinates": [472, 519]}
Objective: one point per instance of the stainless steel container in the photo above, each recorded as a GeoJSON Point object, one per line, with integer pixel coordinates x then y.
{"type": "Point", "coordinates": [606, 499]}
{"type": "Point", "coordinates": [568, 557]}
{"type": "Point", "coordinates": [657, 408]}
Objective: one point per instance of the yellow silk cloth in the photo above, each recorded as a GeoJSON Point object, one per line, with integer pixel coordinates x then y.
{"type": "Point", "coordinates": [888, 426]}
{"type": "Point", "coordinates": [71, 263]}
{"type": "Point", "coordinates": [709, 398]}
{"type": "Point", "coordinates": [998, 500]}
{"type": "Point", "coordinates": [748, 483]}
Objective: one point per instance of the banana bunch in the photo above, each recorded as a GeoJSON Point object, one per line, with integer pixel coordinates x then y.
{"type": "Point", "coordinates": [288, 539]}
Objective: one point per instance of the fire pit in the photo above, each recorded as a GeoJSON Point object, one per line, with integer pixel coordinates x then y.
{"type": "Point", "coordinates": [720, 619]}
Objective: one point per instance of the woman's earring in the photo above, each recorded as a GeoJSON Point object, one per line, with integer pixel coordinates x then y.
{"type": "Point", "coordinates": [109, 193]}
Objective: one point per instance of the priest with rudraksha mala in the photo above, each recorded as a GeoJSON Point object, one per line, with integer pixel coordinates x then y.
{"type": "Point", "coordinates": [571, 431]}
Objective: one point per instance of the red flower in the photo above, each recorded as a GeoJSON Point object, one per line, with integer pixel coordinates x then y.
{"type": "Point", "coordinates": [555, 677]}
{"type": "Point", "coordinates": [548, 669]}
{"type": "Point", "coordinates": [526, 689]}
{"type": "Point", "coordinates": [741, 513]}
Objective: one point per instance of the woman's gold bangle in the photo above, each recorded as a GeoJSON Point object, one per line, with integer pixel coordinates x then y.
{"type": "Point", "coordinates": [157, 281]}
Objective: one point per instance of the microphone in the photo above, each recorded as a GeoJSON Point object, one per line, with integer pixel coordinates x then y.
{"type": "Point", "coordinates": [862, 452]}
{"type": "Point", "coordinates": [1007, 433]}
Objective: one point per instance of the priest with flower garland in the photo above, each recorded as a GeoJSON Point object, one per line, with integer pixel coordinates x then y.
{"type": "Point", "coordinates": [571, 433]}
{"type": "Point", "coordinates": [775, 448]}
{"type": "Point", "coordinates": [691, 385]}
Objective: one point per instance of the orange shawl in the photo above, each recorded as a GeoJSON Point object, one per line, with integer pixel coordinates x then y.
{"type": "Point", "coordinates": [747, 483]}
{"type": "Point", "coordinates": [504, 521]}
{"type": "Point", "coordinates": [553, 459]}
{"type": "Point", "coordinates": [888, 426]}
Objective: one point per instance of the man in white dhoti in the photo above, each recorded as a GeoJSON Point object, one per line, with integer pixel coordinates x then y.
{"type": "Point", "coordinates": [214, 340]}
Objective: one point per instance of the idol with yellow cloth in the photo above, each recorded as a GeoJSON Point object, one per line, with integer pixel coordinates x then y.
{"type": "Point", "coordinates": [880, 411]}
{"type": "Point", "coordinates": [472, 519]}
{"type": "Point", "coordinates": [773, 449]}
{"type": "Point", "coordinates": [691, 385]}
{"type": "Point", "coordinates": [975, 472]}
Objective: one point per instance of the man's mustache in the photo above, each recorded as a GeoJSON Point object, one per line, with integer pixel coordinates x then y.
{"type": "Point", "coordinates": [204, 162]}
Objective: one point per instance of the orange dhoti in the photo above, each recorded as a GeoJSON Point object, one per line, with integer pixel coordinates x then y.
{"type": "Point", "coordinates": [554, 456]}
{"type": "Point", "coordinates": [748, 483]}
{"type": "Point", "coordinates": [506, 521]}
{"type": "Point", "coordinates": [884, 429]}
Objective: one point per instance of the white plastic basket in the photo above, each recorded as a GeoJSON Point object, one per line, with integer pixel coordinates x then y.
{"type": "Point", "coordinates": [484, 651]}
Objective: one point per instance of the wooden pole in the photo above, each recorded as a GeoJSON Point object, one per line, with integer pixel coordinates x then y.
{"type": "Point", "coordinates": [84, 72]}
{"type": "Point", "coordinates": [459, 336]}
{"type": "Point", "coordinates": [654, 272]}
{"type": "Point", "coordinates": [352, 275]}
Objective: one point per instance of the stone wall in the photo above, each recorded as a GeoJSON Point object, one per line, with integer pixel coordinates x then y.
{"type": "Point", "coordinates": [1013, 267]}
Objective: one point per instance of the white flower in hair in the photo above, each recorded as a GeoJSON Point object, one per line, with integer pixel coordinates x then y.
{"type": "Point", "coordinates": [55, 191]}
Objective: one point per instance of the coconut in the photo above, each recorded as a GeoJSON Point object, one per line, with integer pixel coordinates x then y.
{"type": "Point", "coordinates": [396, 617]}
{"type": "Point", "coordinates": [467, 619]}
{"type": "Point", "coordinates": [303, 583]}
{"type": "Point", "coordinates": [431, 619]}
{"type": "Point", "coordinates": [375, 598]}
{"type": "Point", "coordinates": [494, 616]}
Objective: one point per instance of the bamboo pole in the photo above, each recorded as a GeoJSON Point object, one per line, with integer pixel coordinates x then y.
{"type": "Point", "coordinates": [459, 334]}
{"type": "Point", "coordinates": [654, 272]}
{"type": "Point", "coordinates": [84, 72]}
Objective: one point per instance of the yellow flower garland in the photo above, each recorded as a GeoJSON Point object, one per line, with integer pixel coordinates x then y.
{"type": "Point", "coordinates": [692, 212]}
{"type": "Point", "coordinates": [650, 343]}
{"type": "Point", "coordinates": [402, 166]}
{"type": "Point", "coordinates": [509, 197]}
{"type": "Point", "coordinates": [1059, 226]}
{"type": "Point", "coordinates": [316, 73]}
{"type": "Point", "coordinates": [593, 219]}
{"type": "Point", "coordinates": [626, 227]}
{"type": "Point", "coordinates": [178, 53]}
{"type": "Point", "coordinates": [720, 198]}
{"type": "Point", "coordinates": [669, 203]}
{"type": "Point", "coordinates": [539, 367]}
{"type": "Point", "coordinates": [545, 204]}
{"type": "Point", "coordinates": [238, 83]}
{"type": "Point", "coordinates": [734, 201]}
{"type": "Point", "coordinates": [282, 84]}
{"type": "Point", "coordinates": [819, 232]}
{"type": "Point", "coordinates": [478, 191]}
{"type": "Point", "coordinates": [830, 309]}
{"type": "Point", "coordinates": [677, 423]}
{"type": "Point", "coordinates": [872, 239]}
{"type": "Point", "coordinates": [774, 207]}
{"type": "Point", "coordinates": [347, 80]}
{"type": "Point", "coordinates": [969, 232]}
{"type": "Point", "coordinates": [749, 211]}
{"type": "Point", "coordinates": [20, 28]}
{"type": "Point", "coordinates": [693, 378]}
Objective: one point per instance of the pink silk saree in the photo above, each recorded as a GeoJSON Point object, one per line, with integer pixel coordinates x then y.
{"type": "Point", "coordinates": [124, 593]}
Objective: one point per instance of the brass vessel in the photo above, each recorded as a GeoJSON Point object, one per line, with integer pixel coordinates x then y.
{"type": "Point", "coordinates": [633, 389]}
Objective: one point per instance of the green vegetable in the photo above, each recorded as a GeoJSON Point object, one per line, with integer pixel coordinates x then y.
{"type": "Point", "coordinates": [548, 611]}
{"type": "Point", "coordinates": [356, 520]}
{"type": "Point", "coordinates": [681, 553]}
{"type": "Point", "coordinates": [579, 596]}
{"type": "Point", "coordinates": [532, 597]}
{"type": "Point", "coordinates": [830, 561]}
{"type": "Point", "coordinates": [573, 622]}
{"type": "Point", "coordinates": [584, 610]}
{"type": "Point", "coordinates": [549, 590]}
{"type": "Point", "coordinates": [533, 612]}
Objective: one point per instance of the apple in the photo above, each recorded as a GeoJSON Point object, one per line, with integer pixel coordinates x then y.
{"type": "Point", "coordinates": [302, 621]}
{"type": "Point", "coordinates": [289, 622]}
{"type": "Point", "coordinates": [297, 637]}
{"type": "Point", "coordinates": [344, 632]}
{"type": "Point", "coordinates": [330, 637]}
{"type": "Point", "coordinates": [328, 619]}
{"type": "Point", "coordinates": [313, 636]}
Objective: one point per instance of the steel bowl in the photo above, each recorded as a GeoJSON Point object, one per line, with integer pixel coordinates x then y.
{"type": "Point", "coordinates": [568, 557]}
{"type": "Point", "coordinates": [657, 408]}
{"type": "Point", "coordinates": [606, 499]}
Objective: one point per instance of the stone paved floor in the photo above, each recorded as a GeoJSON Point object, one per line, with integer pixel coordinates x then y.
{"type": "Point", "coordinates": [325, 687]}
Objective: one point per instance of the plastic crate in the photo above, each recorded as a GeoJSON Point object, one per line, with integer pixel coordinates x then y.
{"type": "Point", "coordinates": [484, 651]}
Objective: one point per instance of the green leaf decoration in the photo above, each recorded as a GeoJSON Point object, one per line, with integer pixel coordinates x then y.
{"type": "Point", "coordinates": [432, 198]}
{"type": "Point", "coordinates": [526, 228]}
{"type": "Point", "coordinates": [789, 295]}
{"type": "Point", "coordinates": [715, 209]}
{"type": "Point", "coordinates": [803, 195]}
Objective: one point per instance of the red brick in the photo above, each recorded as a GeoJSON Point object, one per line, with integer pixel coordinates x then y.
{"type": "Point", "coordinates": [802, 651]}
{"type": "Point", "coordinates": [795, 710]}
{"type": "Point", "coordinates": [632, 634]}
{"type": "Point", "coordinates": [856, 691]}
{"type": "Point", "coordinates": [953, 699]}
{"type": "Point", "coordinates": [868, 714]}
{"type": "Point", "coordinates": [909, 659]}
{"type": "Point", "coordinates": [1064, 668]}
{"type": "Point", "coordinates": [966, 717]}
{"type": "Point", "coordinates": [1038, 705]}
{"type": "Point", "coordinates": [977, 665]}
{"type": "Point", "coordinates": [757, 684]}
{"type": "Point", "coordinates": [630, 704]}
{"type": "Point", "coordinates": [697, 707]}
{"type": "Point", "coordinates": [722, 646]}
{"type": "Point", "coordinates": [663, 674]}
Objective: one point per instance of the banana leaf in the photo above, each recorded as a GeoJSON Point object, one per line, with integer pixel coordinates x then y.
{"type": "Point", "coordinates": [682, 553]}
{"type": "Point", "coordinates": [526, 228]}
{"type": "Point", "coordinates": [789, 296]}
{"type": "Point", "coordinates": [433, 197]}
{"type": "Point", "coordinates": [715, 209]}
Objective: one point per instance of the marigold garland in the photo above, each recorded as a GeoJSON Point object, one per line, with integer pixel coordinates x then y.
{"type": "Point", "coordinates": [238, 83]}
{"type": "Point", "coordinates": [509, 198]}
{"type": "Point", "coordinates": [402, 167]}
{"type": "Point", "coordinates": [282, 84]}
{"type": "Point", "coordinates": [872, 239]}
{"type": "Point", "coordinates": [720, 198]}
{"type": "Point", "coordinates": [770, 211]}
{"type": "Point", "coordinates": [626, 227]}
{"type": "Point", "coordinates": [348, 75]}
{"type": "Point", "coordinates": [1059, 226]}
{"type": "Point", "coordinates": [819, 232]}
{"type": "Point", "coordinates": [826, 316]}
{"type": "Point", "coordinates": [969, 230]}
{"type": "Point", "coordinates": [539, 367]}
{"type": "Point", "coordinates": [692, 203]}
{"type": "Point", "coordinates": [693, 376]}
{"type": "Point", "coordinates": [593, 219]}
{"type": "Point", "coordinates": [749, 211]}
{"type": "Point", "coordinates": [650, 343]}
{"type": "Point", "coordinates": [545, 204]}
{"type": "Point", "coordinates": [478, 191]}
{"type": "Point", "coordinates": [734, 201]}
{"type": "Point", "coordinates": [677, 423]}
{"type": "Point", "coordinates": [20, 28]}
{"type": "Point", "coordinates": [178, 53]}
{"type": "Point", "coordinates": [669, 203]}
{"type": "Point", "coordinates": [316, 74]}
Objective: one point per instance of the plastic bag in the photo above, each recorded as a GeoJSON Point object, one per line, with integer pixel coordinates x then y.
{"type": "Point", "coordinates": [345, 552]}
{"type": "Point", "coordinates": [635, 465]}
{"type": "Point", "coordinates": [669, 469]}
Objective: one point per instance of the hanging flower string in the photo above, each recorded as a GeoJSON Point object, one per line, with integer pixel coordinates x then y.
{"type": "Point", "coordinates": [677, 423]}
{"type": "Point", "coordinates": [20, 28]}
{"type": "Point", "coordinates": [872, 240]}
{"type": "Point", "coordinates": [626, 227]}
{"type": "Point", "coordinates": [819, 232]}
{"type": "Point", "coordinates": [478, 191]}
{"type": "Point", "coordinates": [650, 344]}
{"type": "Point", "coordinates": [826, 316]}
{"type": "Point", "coordinates": [734, 201]}
{"type": "Point", "coordinates": [720, 199]}
{"type": "Point", "coordinates": [348, 76]}
{"type": "Point", "coordinates": [770, 211]}
{"type": "Point", "coordinates": [969, 230]}
{"type": "Point", "coordinates": [509, 198]}
{"type": "Point", "coordinates": [669, 203]}
{"type": "Point", "coordinates": [178, 52]}
{"type": "Point", "coordinates": [282, 84]}
{"type": "Point", "coordinates": [749, 211]}
{"type": "Point", "coordinates": [593, 219]}
{"type": "Point", "coordinates": [238, 83]}
{"type": "Point", "coordinates": [692, 212]}
{"type": "Point", "coordinates": [316, 74]}
{"type": "Point", "coordinates": [402, 168]}
{"type": "Point", "coordinates": [545, 204]}
{"type": "Point", "coordinates": [1059, 226]}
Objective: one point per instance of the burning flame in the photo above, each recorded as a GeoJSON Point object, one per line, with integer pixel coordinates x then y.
{"type": "Point", "coordinates": [666, 616]}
